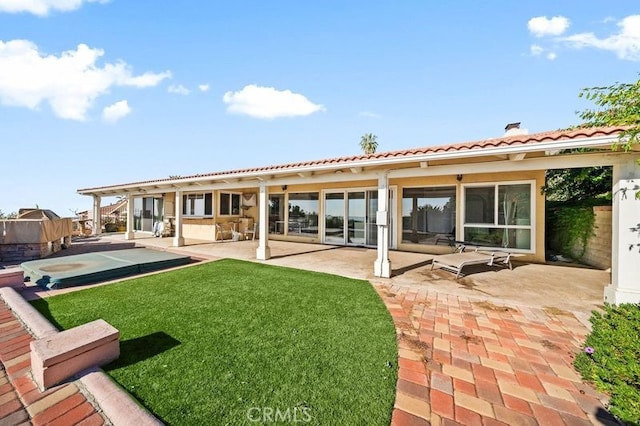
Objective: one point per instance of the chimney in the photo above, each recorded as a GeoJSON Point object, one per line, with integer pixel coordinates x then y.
{"type": "Point", "coordinates": [513, 129]}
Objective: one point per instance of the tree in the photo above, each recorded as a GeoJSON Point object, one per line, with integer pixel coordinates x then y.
{"type": "Point", "coordinates": [616, 105]}
{"type": "Point", "coordinates": [369, 143]}
{"type": "Point", "coordinates": [576, 185]}
{"type": "Point", "coordinates": [4, 215]}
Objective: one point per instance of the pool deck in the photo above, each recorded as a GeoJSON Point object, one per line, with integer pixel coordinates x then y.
{"type": "Point", "coordinates": [493, 348]}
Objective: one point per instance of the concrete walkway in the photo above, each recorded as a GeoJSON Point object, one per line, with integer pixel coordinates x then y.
{"type": "Point", "coordinates": [495, 347]}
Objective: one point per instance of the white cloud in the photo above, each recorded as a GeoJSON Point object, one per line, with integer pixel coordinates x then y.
{"type": "Point", "coordinates": [204, 87]}
{"type": "Point", "coordinates": [541, 26]}
{"type": "Point", "coordinates": [148, 79]}
{"type": "Point", "coordinates": [625, 44]}
{"type": "Point", "coordinates": [536, 50]}
{"type": "Point", "coordinates": [115, 112]}
{"type": "Point", "coordinates": [42, 7]}
{"type": "Point", "coordinates": [369, 114]}
{"type": "Point", "coordinates": [178, 89]}
{"type": "Point", "coordinates": [70, 82]}
{"type": "Point", "coordinates": [551, 56]}
{"type": "Point", "coordinates": [267, 102]}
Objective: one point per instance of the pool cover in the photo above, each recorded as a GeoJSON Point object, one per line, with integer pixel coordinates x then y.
{"type": "Point", "coordinates": [69, 271]}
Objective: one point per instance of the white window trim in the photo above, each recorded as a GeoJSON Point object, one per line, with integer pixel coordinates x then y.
{"type": "Point", "coordinates": [495, 184]}
{"type": "Point", "coordinates": [219, 204]}
{"type": "Point", "coordinates": [197, 216]}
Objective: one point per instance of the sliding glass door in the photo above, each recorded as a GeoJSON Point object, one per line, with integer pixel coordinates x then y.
{"type": "Point", "coordinates": [146, 211]}
{"type": "Point", "coordinates": [334, 213]}
{"type": "Point", "coordinates": [350, 218]}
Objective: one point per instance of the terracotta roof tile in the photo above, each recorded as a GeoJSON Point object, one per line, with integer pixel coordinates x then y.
{"type": "Point", "coordinates": [515, 140]}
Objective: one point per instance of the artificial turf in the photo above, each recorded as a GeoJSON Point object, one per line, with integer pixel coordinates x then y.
{"type": "Point", "coordinates": [232, 342]}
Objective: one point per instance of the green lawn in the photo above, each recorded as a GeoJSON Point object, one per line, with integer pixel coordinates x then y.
{"type": "Point", "coordinates": [229, 342]}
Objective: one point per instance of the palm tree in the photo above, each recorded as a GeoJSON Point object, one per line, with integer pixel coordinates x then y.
{"type": "Point", "coordinates": [369, 143]}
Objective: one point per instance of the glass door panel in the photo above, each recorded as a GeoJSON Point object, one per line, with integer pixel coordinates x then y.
{"type": "Point", "coordinates": [157, 210]}
{"type": "Point", "coordinates": [147, 217]}
{"type": "Point", "coordinates": [356, 214]}
{"type": "Point", "coordinates": [334, 218]}
{"type": "Point", "coordinates": [372, 209]}
{"type": "Point", "coordinates": [137, 214]}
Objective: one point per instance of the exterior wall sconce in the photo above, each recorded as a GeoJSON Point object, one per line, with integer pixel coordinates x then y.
{"type": "Point", "coordinates": [459, 178]}
{"type": "Point", "coordinates": [284, 187]}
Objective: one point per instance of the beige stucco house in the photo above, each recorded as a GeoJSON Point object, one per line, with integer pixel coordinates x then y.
{"type": "Point", "coordinates": [488, 193]}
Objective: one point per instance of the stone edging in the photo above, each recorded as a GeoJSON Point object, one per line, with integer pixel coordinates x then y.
{"type": "Point", "coordinates": [116, 404]}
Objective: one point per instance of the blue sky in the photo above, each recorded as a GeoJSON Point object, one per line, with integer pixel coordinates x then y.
{"type": "Point", "coordinates": [97, 92]}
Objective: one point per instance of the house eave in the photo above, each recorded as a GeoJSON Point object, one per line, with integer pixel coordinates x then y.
{"type": "Point", "coordinates": [515, 151]}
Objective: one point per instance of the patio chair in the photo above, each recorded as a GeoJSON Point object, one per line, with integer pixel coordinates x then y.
{"type": "Point", "coordinates": [223, 231]}
{"type": "Point", "coordinates": [251, 232]}
{"type": "Point", "coordinates": [456, 261]}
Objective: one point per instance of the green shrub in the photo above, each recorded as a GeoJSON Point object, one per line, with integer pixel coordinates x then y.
{"type": "Point", "coordinates": [572, 226]}
{"type": "Point", "coordinates": [614, 365]}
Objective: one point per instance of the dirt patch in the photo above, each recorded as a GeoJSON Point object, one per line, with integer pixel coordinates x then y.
{"type": "Point", "coordinates": [470, 339]}
{"type": "Point", "coordinates": [550, 310]}
{"type": "Point", "coordinates": [491, 307]}
{"type": "Point", "coordinates": [416, 344]}
{"type": "Point", "coordinates": [549, 345]}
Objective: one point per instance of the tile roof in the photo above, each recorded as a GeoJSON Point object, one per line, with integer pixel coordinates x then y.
{"type": "Point", "coordinates": [507, 141]}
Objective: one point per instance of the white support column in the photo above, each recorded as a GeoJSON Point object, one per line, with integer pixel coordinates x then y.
{"type": "Point", "coordinates": [625, 230]}
{"type": "Point", "coordinates": [382, 264]}
{"type": "Point", "coordinates": [263, 252]}
{"type": "Point", "coordinates": [178, 240]}
{"type": "Point", "coordinates": [97, 219]}
{"type": "Point", "coordinates": [129, 235]}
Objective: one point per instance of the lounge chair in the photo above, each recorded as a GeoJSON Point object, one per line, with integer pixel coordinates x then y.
{"type": "Point", "coordinates": [456, 261]}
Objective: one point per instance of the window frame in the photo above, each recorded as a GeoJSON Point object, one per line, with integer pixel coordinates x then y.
{"type": "Point", "coordinates": [496, 221]}
{"type": "Point", "coordinates": [401, 206]}
{"type": "Point", "coordinates": [185, 205]}
{"type": "Point", "coordinates": [287, 216]}
{"type": "Point", "coordinates": [231, 194]}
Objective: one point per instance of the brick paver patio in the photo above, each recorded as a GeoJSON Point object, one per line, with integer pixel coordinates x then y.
{"type": "Point", "coordinates": [471, 362]}
{"type": "Point", "coordinates": [20, 400]}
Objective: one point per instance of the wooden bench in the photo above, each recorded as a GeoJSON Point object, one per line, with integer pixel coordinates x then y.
{"type": "Point", "coordinates": [63, 355]}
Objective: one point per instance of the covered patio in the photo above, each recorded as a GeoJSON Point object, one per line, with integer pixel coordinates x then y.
{"type": "Point", "coordinates": [488, 193]}
{"type": "Point", "coordinates": [567, 287]}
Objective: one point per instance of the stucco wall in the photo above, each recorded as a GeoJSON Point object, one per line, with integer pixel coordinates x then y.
{"type": "Point", "coordinates": [538, 254]}
{"type": "Point", "coordinates": [202, 228]}
{"type": "Point", "coordinates": [598, 251]}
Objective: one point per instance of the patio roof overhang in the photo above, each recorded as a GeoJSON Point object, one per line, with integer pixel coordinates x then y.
{"type": "Point", "coordinates": [525, 152]}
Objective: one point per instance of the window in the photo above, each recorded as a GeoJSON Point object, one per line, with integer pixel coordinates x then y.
{"type": "Point", "coordinates": [229, 204]}
{"type": "Point", "coordinates": [276, 214]}
{"type": "Point", "coordinates": [499, 215]}
{"type": "Point", "coordinates": [197, 204]}
{"type": "Point", "coordinates": [429, 215]}
{"type": "Point", "coordinates": [303, 214]}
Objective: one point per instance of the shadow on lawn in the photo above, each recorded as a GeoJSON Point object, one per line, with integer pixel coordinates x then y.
{"type": "Point", "coordinates": [141, 348]}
